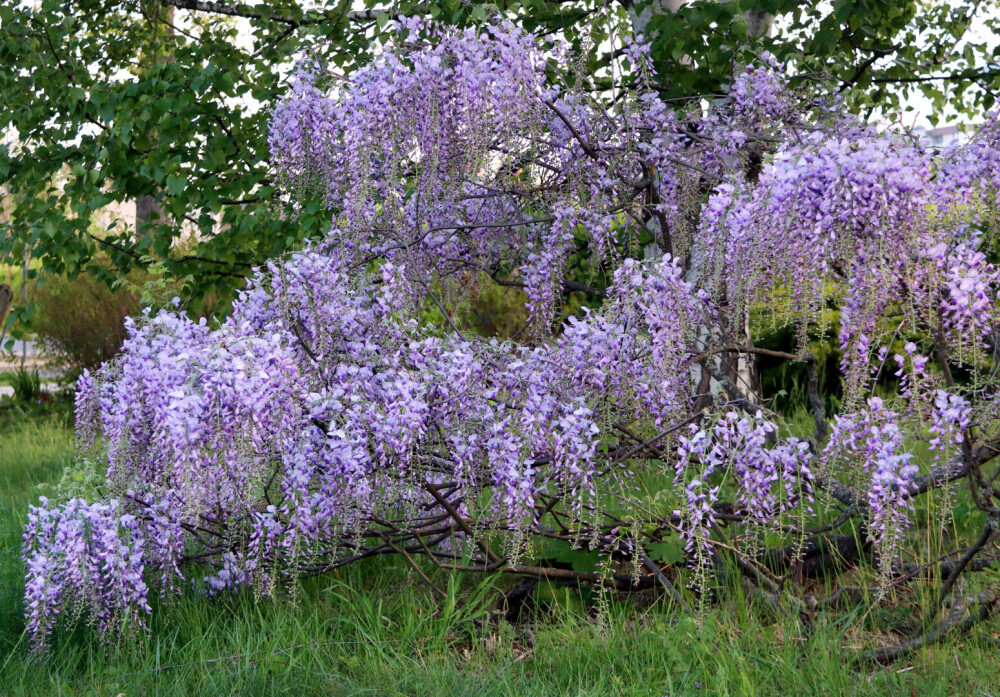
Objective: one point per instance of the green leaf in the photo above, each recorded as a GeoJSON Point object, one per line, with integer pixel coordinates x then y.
{"type": "Point", "coordinates": [669, 552]}
{"type": "Point", "coordinates": [176, 185]}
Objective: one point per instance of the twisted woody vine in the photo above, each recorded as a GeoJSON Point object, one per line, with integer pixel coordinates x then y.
{"type": "Point", "coordinates": [340, 412]}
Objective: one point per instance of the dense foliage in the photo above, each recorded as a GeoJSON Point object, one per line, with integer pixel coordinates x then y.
{"type": "Point", "coordinates": [342, 412]}
{"type": "Point", "coordinates": [164, 103]}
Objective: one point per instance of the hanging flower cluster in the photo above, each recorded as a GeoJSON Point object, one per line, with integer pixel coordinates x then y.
{"type": "Point", "coordinates": [769, 478]}
{"type": "Point", "coordinates": [825, 206]}
{"type": "Point", "coordinates": [964, 285]}
{"type": "Point", "coordinates": [873, 438]}
{"type": "Point", "coordinates": [970, 173]}
{"type": "Point", "coordinates": [312, 412]}
{"type": "Point", "coordinates": [84, 557]}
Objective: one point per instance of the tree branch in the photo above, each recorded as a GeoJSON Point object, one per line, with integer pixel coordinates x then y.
{"type": "Point", "coordinates": [987, 601]}
{"type": "Point", "coordinates": [250, 12]}
{"type": "Point", "coordinates": [567, 285]}
{"type": "Point", "coordinates": [955, 77]}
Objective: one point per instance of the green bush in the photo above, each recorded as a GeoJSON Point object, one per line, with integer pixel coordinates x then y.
{"type": "Point", "coordinates": [27, 385]}
{"type": "Point", "coordinates": [80, 322]}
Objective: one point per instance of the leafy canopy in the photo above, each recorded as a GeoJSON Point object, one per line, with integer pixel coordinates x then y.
{"type": "Point", "coordinates": [108, 102]}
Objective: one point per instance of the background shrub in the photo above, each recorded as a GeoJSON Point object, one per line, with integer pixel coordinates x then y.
{"type": "Point", "coordinates": [27, 385]}
{"type": "Point", "coordinates": [80, 322]}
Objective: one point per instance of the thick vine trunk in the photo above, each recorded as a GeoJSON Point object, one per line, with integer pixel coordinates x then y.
{"type": "Point", "coordinates": [6, 298]}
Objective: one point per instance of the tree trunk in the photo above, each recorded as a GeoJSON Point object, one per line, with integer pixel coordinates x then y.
{"type": "Point", "coordinates": [148, 209]}
{"type": "Point", "coordinates": [6, 298]}
{"type": "Point", "coordinates": [739, 369]}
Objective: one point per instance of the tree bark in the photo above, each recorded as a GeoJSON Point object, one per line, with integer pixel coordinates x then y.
{"type": "Point", "coordinates": [148, 209]}
{"type": "Point", "coordinates": [6, 298]}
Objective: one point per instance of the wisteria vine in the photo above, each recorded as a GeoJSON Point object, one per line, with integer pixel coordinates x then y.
{"type": "Point", "coordinates": [342, 411]}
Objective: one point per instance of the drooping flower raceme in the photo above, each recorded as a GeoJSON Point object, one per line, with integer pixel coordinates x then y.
{"type": "Point", "coordinates": [769, 479]}
{"type": "Point", "coordinates": [873, 437]}
{"type": "Point", "coordinates": [84, 557]}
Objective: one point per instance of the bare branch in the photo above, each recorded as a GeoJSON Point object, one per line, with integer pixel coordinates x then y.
{"type": "Point", "coordinates": [987, 602]}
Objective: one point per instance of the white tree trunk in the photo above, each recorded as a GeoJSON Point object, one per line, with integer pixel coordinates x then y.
{"type": "Point", "coordinates": [741, 370]}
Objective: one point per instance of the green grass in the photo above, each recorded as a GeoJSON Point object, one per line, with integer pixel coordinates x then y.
{"type": "Point", "coordinates": [373, 629]}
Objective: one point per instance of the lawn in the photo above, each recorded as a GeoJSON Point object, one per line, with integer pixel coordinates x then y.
{"type": "Point", "coordinates": [376, 630]}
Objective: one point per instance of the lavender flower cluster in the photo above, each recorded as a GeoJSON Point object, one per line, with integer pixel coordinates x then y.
{"type": "Point", "coordinates": [871, 443]}
{"type": "Point", "coordinates": [769, 480]}
{"type": "Point", "coordinates": [873, 438]}
{"type": "Point", "coordinates": [84, 557]}
{"type": "Point", "coordinates": [861, 218]}
{"type": "Point", "coordinates": [313, 411]}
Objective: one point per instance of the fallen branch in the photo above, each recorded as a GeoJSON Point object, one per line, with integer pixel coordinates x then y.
{"type": "Point", "coordinates": [665, 582]}
{"type": "Point", "coordinates": [987, 602]}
